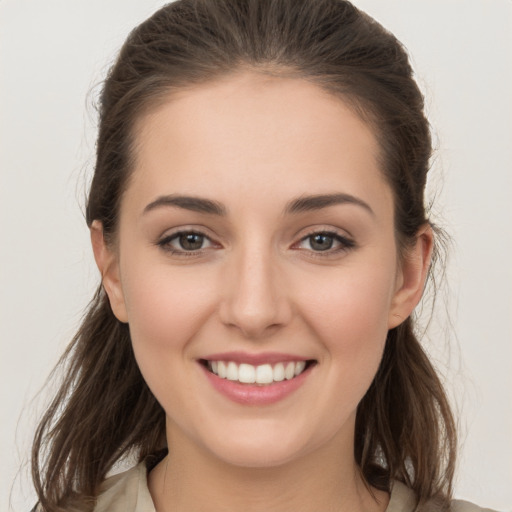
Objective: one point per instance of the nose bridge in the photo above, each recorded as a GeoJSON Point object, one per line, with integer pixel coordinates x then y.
{"type": "Point", "coordinates": [254, 301]}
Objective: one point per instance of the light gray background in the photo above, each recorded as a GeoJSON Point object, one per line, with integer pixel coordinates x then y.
{"type": "Point", "coordinates": [53, 53]}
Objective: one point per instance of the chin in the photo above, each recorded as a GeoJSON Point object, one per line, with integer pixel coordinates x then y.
{"type": "Point", "coordinates": [256, 457]}
{"type": "Point", "coordinates": [259, 450]}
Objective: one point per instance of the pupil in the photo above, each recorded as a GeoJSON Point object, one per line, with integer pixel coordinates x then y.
{"type": "Point", "coordinates": [191, 241]}
{"type": "Point", "coordinates": [321, 242]}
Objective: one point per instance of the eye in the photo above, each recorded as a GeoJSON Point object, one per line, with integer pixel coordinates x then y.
{"type": "Point", "coordinates": [185, 242]}
{"type": "Point", "coordinates": [325, 241]}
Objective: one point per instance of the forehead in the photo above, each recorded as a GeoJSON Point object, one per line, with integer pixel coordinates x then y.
{"type": "Point", "coordinates": [263, 134]}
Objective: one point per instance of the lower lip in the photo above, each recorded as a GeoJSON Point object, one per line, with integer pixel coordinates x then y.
{"type": "Point", "coordinates": [252, 394]}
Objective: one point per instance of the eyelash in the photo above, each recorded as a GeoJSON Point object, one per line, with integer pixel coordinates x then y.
{"type": "Point", "coordinates": [345, 244]}
{"type": "Point", "coordinates": [165, 243]}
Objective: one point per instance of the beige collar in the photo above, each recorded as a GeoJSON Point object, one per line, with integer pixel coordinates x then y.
{"type": "Point", "coordinates": [128, 492]}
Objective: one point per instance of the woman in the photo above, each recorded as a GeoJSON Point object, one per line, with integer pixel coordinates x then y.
{"type": "Point", "coordinates": [257, 216]}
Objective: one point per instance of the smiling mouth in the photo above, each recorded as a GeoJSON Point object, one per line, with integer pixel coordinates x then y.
{"type": "Point", "coordinates": [263, 374]}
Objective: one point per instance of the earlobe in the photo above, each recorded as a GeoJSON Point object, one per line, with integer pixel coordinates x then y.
{"type": "Point", "coordinates": [107, 262]}
{"type": "Point", "coordinates": [412, 277]}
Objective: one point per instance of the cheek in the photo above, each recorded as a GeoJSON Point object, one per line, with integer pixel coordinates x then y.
{"type": "Point", "coordinates": [352, 306]}
{"type": "Point", "coordinates": [349, 316]}
{"type": "Point", "coordinates": [165, 308]}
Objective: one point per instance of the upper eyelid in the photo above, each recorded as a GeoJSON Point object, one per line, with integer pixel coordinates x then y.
{"type": "Point", "coordinates": [206, 232]}
{"type": "Point", "coordinates": [331, 230]}
{"type": "Point", "coordinates": [333, 234]}
{"type": "Point", "coordinates": [200, 230]}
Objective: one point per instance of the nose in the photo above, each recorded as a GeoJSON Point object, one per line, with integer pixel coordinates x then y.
{"type": "Point", "coordinates": [255, 297]}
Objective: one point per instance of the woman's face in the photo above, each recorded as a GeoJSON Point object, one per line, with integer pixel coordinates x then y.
{"type": "Point", "coordinates": [256, 240]}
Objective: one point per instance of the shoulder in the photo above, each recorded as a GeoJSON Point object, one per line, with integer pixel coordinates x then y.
{"type": "Point", "coordinates": [403, 500]}
{"type": "Point", "coordinates": [125, 492]}
{"type": "Point", "coordinates": [465, 506]}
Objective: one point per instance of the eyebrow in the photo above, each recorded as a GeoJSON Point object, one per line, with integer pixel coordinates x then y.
{"type": "Point", "coordinates": [317, 202]}
{"type": "Point", "coordinates": [195, 204]}
{"type": "Point", "coordinates": [299, 205]}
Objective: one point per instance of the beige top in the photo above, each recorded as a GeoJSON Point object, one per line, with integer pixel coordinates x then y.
{"type": "Point", "coordinates": [128, 492]}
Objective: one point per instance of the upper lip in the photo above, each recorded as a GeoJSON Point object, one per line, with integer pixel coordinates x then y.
{"type": "Point", "coordinates": [255, 359]}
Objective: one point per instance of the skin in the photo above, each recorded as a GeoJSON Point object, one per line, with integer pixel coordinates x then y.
{"type": "Point", "coordinates": [254, 144]}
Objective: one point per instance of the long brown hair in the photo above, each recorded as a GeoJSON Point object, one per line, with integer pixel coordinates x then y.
{"type": "Point", "coordinates": [104, 409]}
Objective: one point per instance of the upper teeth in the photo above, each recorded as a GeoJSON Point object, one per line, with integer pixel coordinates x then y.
{"type": "Point", "coordinates": [262, 374]}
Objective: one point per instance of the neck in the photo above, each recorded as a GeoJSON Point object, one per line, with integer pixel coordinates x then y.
{"type": "Point", "coordinates": [190, 478]}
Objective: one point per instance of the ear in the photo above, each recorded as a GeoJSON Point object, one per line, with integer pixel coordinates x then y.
{"type": "Point", "coordinates": [108, 265]}
{"type": "Point", "coordinates": [411, 277]}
